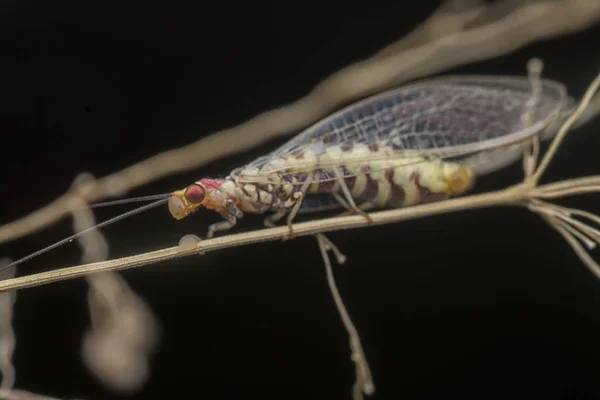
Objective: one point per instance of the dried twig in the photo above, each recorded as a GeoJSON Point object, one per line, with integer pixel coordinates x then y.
{"type": "Point", "coordinates": [562, 132]}
{"type": "Point", "coordinates": [523, 194]}
{"type": "Point", "coordinates": [123, 333]}
{"type": "Point", "coordinates": [6, 394]}
{"type": "Point", "coordinates": [511, 196]}
{"type": "Point", "coordinates": [450, 18]}
{"type": "Point", "coordinates": [490, 33]}
{"type": "Point", "coordinates": [7, 333]}
{"type": "Point", "coordinates": [364, 382]}
{"type": "Point", "coordinates": [560, 217]}
{"type": "Point", "coordinates": [8, 343]}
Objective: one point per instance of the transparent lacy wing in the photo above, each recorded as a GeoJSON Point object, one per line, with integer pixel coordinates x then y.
{"type": "Point", "coordinates": [445, 118]}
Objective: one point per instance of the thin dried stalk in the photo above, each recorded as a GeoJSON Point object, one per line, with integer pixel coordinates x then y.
{"type": "Point", "coordinates": [123, 333]}
{"type": "Point", "coordinates": [518, 27]}
{"type": "Point", "coordinates": [7, 394]}
{"type": "Point", "coordinates": [588, 235]}
{"type": "Point", "coordinates": [524, 194]}
{"type": "Point", "coordinates": [450, 18]}
{"type": "Point", "coordinates": [560, 217]}
{"type": "Point", "coordinates": [532, 152]}
{"type": "Point", "coordinates": [502, 197]}
{"type": "Point", "coordinates": [579, 235]}
{"type": "Point", "coordinates": [583, 255]}
{"type": "Point", "coordinates": [7, 333]}
{"type": "Point", "coordinates": [8, 343]}
{"type": "Point", "coordinates": [567, 185]}
{"type": "Point", "coordinates": [553, 194]}
{"type": "Point", "coordinates": [512, 196]}
{"type": "Point", "coordinates": [587, 97]}
{"type": "Point", "coordinates": [364, 381]}
{"type": "Point", "coordinates": [590, 112]}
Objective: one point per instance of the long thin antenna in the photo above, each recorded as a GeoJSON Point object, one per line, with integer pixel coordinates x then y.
{"type": "Point", "coordinates": [100, 225]}
{"type": "Point", "coordinates": [127, 201]}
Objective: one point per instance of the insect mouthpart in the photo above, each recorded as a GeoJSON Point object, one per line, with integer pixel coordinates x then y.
{"type": "Point", "coordinates": [177, 205]}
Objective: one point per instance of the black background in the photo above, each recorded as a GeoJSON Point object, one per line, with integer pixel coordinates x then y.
{"type": "Point", "coordinates": [489, 303]}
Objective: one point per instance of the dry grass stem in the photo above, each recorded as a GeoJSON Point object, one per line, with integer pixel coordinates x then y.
{"type": "Point", "coordinates": [7, 333]}
{"type": "Point", "coordinates": [564, 129]}
{"type": "Point", "coordinates": [583, 255]}
{"type": "Point", "coordinates": [560, 218]}
{"type": "Point", "coordinates": [123, 333]}
{"type": "Point", "coordinates": [474, 33]}
{"type": "Point", "coordinates": [7, 394]}
{"type": "Point", "coordinates": [450, 18]}
{"type": "Point", "coordinates": [8, 343]}
{"type": "Point", "coordinates": [269, 234]}
{"type": "Point", "coordinates": [523, 194]}
{"type": "Point", "coordinates": [512, 196]}
{"type": "Point", "coordinates": [364, 382]}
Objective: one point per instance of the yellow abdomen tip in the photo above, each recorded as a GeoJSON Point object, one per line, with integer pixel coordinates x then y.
{"type": "Point", "coordinates": [460, 181]}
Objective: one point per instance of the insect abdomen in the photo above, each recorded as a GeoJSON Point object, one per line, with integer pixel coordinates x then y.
{"type": "Point", "coordinates": [398, 186]}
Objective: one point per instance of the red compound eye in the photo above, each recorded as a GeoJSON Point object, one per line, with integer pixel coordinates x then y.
{"type": "Point", "coordinates": [195, 193]}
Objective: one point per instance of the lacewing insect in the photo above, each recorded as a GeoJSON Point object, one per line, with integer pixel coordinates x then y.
{"type": "Point", "coordinates": [419, 143]}
{"type": "Point", "coordinates": [422, 142]}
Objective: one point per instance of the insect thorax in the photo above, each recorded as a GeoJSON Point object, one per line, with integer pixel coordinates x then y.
{"type": "Point", "coordinates": [259, 197]}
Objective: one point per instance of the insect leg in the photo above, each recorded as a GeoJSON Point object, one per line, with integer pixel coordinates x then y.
{"type": "Point", "coordinates": [298, 197]}
{"type": "Point", "coordinates": [341, 200]}
{"type": "Point", "coordinates": [221, 226]}
{"type": "Point", "coordinates": [271, 219]}
{"type": "Point", "coordinates": [367, 205]}
{"type": "Point", "coordinates": [351, 205]}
